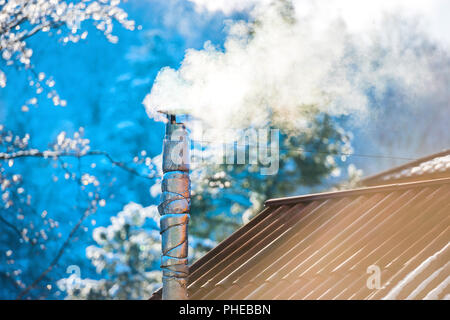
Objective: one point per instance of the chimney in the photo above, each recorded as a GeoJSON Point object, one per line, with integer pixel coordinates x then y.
{"type": "Point", "coordinates": [174, 210]}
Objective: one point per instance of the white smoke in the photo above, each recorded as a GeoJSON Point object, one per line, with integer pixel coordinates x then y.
{"type": "Point", "coordinates": [356, 13]}
{"type": "Point", "coordinates": [283, 63]}
{"type": "Point", "coordinates": [226, 6]}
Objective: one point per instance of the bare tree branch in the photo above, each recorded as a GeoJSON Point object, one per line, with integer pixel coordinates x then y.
{"type": "Point", "coordinates": [9, 224]}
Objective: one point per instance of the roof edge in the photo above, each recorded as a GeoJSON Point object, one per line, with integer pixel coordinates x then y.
{"type": "Point", "coordinates": [369, 179]}
{"type": "Point", "coordinates": [353, 192]}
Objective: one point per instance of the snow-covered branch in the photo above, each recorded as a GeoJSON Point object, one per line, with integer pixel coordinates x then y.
{"type": "Point", "coordinates": [48, 154]}
{"type": "Point", "coordinates": [21, 19]}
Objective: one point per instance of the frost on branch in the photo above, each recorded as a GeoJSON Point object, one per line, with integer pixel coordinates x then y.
{"type": "Point", "coordinates": [21, 19]}
{"type": "Point", "coordinates": [12, 191]}
{"type": "Point", "coordinates": [77, 144]}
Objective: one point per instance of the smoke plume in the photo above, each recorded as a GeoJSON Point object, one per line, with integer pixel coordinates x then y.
{"type": "Point", "coordinates": [283, 64]}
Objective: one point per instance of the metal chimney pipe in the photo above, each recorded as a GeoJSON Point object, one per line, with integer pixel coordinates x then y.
{"type": "Point", "coordinates": [174, 210]}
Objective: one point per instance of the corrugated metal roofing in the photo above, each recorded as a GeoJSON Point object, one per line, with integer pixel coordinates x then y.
{"type": "Point", "coordinates": [321, 246]}
{"type": "Point", "coordinates": [431, 167]}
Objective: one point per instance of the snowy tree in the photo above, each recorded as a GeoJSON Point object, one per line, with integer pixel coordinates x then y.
{"type": "Point", "coordinates": [36, 231]}
{"type": "Point", "coordinates": [29, 230]}
{"type": "Point", "coordinates": [227, 196]}
{"type": "Point", "coordinates": [54, 192]}
{"type": "Point", "coordinates": [126, 255]}
{"type": "Point", "coordinates": [22, 19]}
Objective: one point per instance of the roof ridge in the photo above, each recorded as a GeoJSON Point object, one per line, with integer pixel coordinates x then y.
{"type": "Point", "coordinates": [406, 165]}
{"type": "Point", "coordinates": [358, 191]}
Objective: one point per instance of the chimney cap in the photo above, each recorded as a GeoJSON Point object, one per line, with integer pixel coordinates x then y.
{"type": "Point", "coordinates": [170, 116]}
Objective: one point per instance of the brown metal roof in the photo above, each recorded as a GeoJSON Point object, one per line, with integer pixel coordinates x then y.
{"type": "Point", "coordinates": [430, 167]}
{"type": "Point", "coordinates": [320, 247]}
